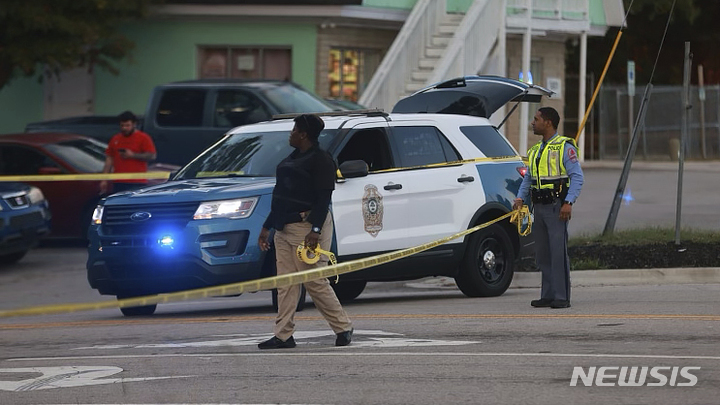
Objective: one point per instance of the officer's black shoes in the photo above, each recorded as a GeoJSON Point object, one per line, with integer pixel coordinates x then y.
{"type": "Point", "coordinates": [560, 304]}
{"type": "Point", "coordinates": [275, 343]}
{"type": "Point", "coordinates": [541, 303]}
{"type": "Point", "coordinates": [344, 338]}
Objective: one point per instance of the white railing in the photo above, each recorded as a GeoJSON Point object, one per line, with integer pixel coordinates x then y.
{"type": "Point", "coordinates": [388, 83]}
{"type": "Point", "coordinates": [576, 10]}
{"type": "Point", "coordinates": [473, 41]}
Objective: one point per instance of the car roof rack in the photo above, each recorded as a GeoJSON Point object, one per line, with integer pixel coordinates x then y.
{"type": "Point", "coordinates": [374, 112]}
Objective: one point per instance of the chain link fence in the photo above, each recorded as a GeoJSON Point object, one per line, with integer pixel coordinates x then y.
{"type": "Point", "coordinates": [660, 134]}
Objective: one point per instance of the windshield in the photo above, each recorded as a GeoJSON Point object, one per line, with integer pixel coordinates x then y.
{"type": "Point", "coordinates": [291, 99]}
{"type": "Point", "coordinates": [245, 154]}
{"type": "Point", "coordinates": [84, 155]}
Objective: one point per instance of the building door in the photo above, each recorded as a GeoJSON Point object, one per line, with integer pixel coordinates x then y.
{"type": "Point", "coordinates": [70, 94]}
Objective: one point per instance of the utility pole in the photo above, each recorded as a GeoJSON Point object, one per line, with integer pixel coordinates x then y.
{"type": "Point", "coordinates": [683, 139]}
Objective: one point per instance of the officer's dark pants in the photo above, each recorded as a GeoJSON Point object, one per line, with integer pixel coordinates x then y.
{"type": "Point", "coordinates": [551, 236]}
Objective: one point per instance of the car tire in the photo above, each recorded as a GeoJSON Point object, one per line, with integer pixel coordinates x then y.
{"type": "Point", "coordinates": [347, 291]}
{"type": "Point", "coordinates": [145, 310]}
{"type": "Point", "coordinates": [11, 258]}
{"type": "Point", "coordinates": [488, 266]}
{"type": "Point", "coordinates": [301, 300]}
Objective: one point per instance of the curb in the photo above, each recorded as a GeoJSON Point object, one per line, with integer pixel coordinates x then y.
{"type": "Point", "coordinates": [599, 278]}
{"type": "Point", "coordinates": [712, 166]}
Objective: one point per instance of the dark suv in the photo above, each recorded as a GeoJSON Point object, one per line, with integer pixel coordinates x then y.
{"type": "Point", "coordinates": [185, 118]}
{"type": "Point", "coordinates": [24, 219]}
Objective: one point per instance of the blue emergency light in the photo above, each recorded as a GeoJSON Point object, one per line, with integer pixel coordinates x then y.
{"type": "Point", "coordinates": [166, 241]}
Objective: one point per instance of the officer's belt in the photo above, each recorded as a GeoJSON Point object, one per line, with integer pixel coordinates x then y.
{"type": "Point", "coordinates": [556, 182]}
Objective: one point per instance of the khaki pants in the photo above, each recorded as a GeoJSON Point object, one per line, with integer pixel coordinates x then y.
{"type": "Point", "coordinates": [286, 243]}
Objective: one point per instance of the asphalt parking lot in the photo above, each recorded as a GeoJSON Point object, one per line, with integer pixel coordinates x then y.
{"type": "Point", "coordinates": [413, 344]}
{"type": "Point", "coordinates": [419, 342]}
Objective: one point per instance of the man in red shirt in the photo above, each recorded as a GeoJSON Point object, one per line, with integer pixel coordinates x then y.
{"type": "Point", "coordinates": [128, 152]}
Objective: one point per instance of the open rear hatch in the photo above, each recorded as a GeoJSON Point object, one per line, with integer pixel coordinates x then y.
{"type": "Point", "coordinates": [478, 96]}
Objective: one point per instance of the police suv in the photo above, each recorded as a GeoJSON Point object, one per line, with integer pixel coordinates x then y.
{"type": "Point", "coordinates": [433, 167]}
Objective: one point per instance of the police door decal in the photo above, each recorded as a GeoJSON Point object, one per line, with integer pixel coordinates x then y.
{"type": "Point", "coordinates": [372, 209]}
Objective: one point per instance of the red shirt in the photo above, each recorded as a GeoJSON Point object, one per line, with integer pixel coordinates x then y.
{"type": "Point", "coordinates": [137, 142]}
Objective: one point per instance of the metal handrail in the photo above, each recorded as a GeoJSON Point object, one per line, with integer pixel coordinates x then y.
{"type": "Point", "coordinates": [388, 83]}
{"type": "Point", "coordinates": [472, 42]}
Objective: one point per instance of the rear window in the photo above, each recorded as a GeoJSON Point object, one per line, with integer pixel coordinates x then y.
{"type": "Point", "coordinates": [181, 108]}
{"type": "Point", "coordinates": [488, 140]}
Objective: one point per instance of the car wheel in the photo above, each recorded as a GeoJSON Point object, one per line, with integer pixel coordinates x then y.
{"type": "Point", "coordinates": [488, 266]}
{"type": "Point", "coordinates": [301, 300]}
{"type": "Point", "coordinates": [12, 257]}
{"type": "Point", "coordinates": [144, 310]}
{"type": "Point", "coordinates": [348, 290]}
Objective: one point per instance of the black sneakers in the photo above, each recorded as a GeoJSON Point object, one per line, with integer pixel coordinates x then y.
{"type": "Point", "coordinates": [541, 303]}
{"type": "Point", "coordinates": [275, 343]}
{"type": "Point", "coordinates": [344, 338]}
{"type": "Point", "coordinates": [548, 303]}
{"type": "Point", "coordinates": [560, 304]}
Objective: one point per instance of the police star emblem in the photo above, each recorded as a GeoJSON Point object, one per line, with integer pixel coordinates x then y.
{"type": "Point", "coordinates": [372, 209]}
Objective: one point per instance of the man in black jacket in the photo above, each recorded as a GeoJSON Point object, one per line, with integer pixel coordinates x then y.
{"type": "Point", "coordinates": [300, 214]}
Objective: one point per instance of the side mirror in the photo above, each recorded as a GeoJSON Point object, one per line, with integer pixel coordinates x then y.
{"type": "Point", "coordinates": [353, 168]}
{"type": "Point", "coordinates": [49, 170]}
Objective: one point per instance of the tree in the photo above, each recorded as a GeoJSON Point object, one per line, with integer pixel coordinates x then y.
{"type": "Point", "coordinates": [692, 21]}
{"type": "Point", "coordinates": [53, 35]}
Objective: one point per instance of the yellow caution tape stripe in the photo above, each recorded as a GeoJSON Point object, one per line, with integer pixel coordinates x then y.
{"type": "Point", "coordinates": [268, 283]}
{"type": "Point", "coordinates": [455, 163]}
{"type": "Point", "coordinates": [312, 256]}
{"type": "Point", "coordinates": [88, 176]}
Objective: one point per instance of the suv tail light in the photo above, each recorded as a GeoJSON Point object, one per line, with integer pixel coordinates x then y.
{"type": "Point", "coordinates": [522, 170]}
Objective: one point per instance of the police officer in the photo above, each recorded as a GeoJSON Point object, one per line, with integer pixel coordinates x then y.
{"type": "Point", "coordinates": [554, 182]}
{"type": "Point", "coordinates": [300, 214]}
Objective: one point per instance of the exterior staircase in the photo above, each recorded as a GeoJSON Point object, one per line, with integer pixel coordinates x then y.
{"type": "Point", "coordinates": [434, 45]}
{"type": "Point", "coordinates": [440, 40]}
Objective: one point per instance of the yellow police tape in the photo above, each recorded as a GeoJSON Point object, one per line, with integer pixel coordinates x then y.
{"type": "Point", "coordinates": [312, 256]}
{"type": "Point", "coordinates": [87, 177]}
{"type": "Point", "coordinates": [285, 280]}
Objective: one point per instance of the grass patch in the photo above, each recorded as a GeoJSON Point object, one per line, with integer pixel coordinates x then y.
{"type": "Point", "coordinates": [644, 236]}
{"type": "Point", "coordinates": [586, 264]}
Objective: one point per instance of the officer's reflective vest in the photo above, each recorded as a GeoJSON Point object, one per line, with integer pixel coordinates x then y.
{"type": "Point", "coordinates": [549, 172]}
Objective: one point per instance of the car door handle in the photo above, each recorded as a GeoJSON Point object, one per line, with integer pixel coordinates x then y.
{"type": "Point", "coordinates": [466, 179]}
{"type": "Point", "coordinates": [393, 187]}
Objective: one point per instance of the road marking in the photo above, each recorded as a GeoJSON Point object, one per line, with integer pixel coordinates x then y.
{"type": "Point", "coordinates": [338, 352]}
{"type": "Point", "coordinates": [159, 320]}
{"type": "Point", "coordinates": [386, 339]}
{"type": "Point", "coordinates": [68, 377]}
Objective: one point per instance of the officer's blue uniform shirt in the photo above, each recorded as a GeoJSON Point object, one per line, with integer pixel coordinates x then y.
{"type": "Point", "coordinates": [572, 167]}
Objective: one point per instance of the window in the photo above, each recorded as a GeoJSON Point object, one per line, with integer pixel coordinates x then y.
{"type": "Point", "coordinates": [488, 140]}
{"type": "Point", "coordinates": [419, 146]}
{"type": "Point", "coordinates": [254, 154]}
{"type": "Point", "coordinates": [245, 62]}
{"type": "Point", "coordinates": [86, 156]}
{"type": "Point", "coordinates": [349, 72]}
{"type": "Point", "coordinates": [370, 145]}
{"type": "Point", "coordinates": [181, 108]}
{"type": "Point", "coordinates": [19, 160]}
{"type": "Point", "coordinates": [237, 107]}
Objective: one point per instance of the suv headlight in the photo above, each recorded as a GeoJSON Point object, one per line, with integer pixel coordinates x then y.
{"type": "Point", "coordinates": [97, 215]}
{"type": "Point", "coordinates": [232, 209]}
{"type": "Point", "coordinates": [35, 195]}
